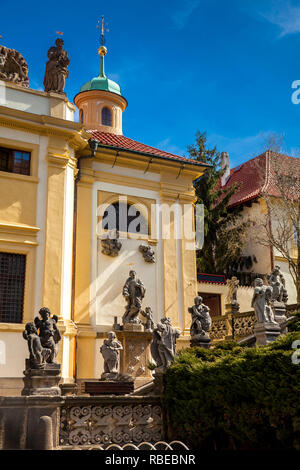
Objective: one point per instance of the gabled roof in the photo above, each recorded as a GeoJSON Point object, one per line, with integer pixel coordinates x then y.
{"type": "Point", "coordinates": [120, 142]}
{"type": "Point", "coordinates": [254, 177]}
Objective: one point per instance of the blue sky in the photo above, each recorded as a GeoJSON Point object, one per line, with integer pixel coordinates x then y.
{"type": "Point", "coordinates": [220, 66]}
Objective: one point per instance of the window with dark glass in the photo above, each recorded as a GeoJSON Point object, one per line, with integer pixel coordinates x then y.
{"type": "Point", "coordinates": [14, 161]}
{"type": "Point", "coordinates": [125, 218]}
{"type": "Point", "coordinates": [12, 283]}
{"type": "Point", "coordinates": [81, 116]}
{"type": "Point", "coordinates": [106, 117]}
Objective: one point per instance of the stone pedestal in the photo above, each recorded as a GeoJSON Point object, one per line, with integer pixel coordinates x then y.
{"type": "Point", "coordinates": [202, 341]}
{"type": "Point", "coordinates": [109, 387]}
{"type": "Point", "coordinates": [133, 327]}
{"type": "Point", "coordinates": [136, 354]}
{"type": "Point", "coordinates": [68, 388]}
{"type": "Point", "coordinates": [158, 384]}
{"type": "Point", "coordinates": [42, 381]}
{"type": "Point", "coordinates": [279, 312]}
{"type": "Point", "coordinates": [265, 333]}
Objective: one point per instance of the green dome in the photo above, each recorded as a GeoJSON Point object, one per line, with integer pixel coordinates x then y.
{"type": "Point", "coordinates": [102, 82]}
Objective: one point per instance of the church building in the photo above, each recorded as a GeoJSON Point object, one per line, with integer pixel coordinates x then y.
{"type": "Point", "coordinates": [59, 179]}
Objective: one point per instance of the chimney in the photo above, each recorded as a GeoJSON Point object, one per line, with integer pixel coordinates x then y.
{"type": "Point", "coordinates": [225, 166]}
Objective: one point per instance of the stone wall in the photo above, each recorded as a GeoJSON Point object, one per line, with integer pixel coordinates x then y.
{"type": "Point", "coordinates": [79, 421]}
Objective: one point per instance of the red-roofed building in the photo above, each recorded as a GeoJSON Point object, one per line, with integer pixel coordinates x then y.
{"type": "Point", "coordinates": [256, 181]}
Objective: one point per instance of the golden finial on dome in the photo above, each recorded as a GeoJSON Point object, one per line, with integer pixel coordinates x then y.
{"type": "Point", "coordinates": [102, 51]}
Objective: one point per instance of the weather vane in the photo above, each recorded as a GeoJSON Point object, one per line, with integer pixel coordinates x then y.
{"type": "Point", "coordinates": [60, 33]}
{"type": "Point", "coordinates": [103, 27]}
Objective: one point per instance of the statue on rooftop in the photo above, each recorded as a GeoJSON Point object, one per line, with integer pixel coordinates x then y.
{"type": "Point", "coordinates": [134, 292]}
{"type": "Point", "coordinates": [13, 67]}
{"type": "Point", "coordinates": [56, 68]}
{"type": "Point", "coordinates": [48, 333]}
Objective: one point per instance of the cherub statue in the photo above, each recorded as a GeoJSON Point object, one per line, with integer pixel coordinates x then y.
{"type": "Point", "coordinates": [48, 333]}
{"type": "Point", "coordinates": [148, 253]}
{"type": "Point", "coordinates": [111, 245]}
{"type": "Point", "coordinates": [37, 354]}
{"type": "Point", "coordinates": [110, 352]}
{"type": "Point", "coordinates": [149, 325]}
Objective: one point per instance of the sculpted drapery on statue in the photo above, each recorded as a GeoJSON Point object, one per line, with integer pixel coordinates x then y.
{"type": "Point", "coordinates": [13, 67]}
{"type": "Point", "coordinates": [277, 282]}
{"type": "Point", "coordinates": [261, 302]}
{"type": "Point", "coordinates": [56, 68]}
{"type": "Point", "coordinates": [163, 346]}
{"type": "Point", "coordinates": [201, 319]}
{"type": "Point", "coordinates": [134, 292]}
{"type": "Point", "coordinates": [110, 352]}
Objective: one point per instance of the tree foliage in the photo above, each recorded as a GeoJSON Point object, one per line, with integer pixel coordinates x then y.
{"type": "Point", "coordinates": [224, 230]}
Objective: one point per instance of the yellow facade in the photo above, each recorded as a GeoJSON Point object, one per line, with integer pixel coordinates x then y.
{"type": "Point", "coordinates": [50, 216]}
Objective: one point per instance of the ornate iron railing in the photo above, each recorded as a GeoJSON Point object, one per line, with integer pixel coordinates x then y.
{"type": "Point", "coordinates": [219, 328]}
{"type": "Point", "coordinates": [243, 324]}
{"type": "Point", "coordinates": [108, 420]}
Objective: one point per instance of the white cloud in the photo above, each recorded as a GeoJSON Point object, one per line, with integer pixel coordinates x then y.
{"type": "Point", "coordinates": [240, 149]}
{"type": "Point", "coordinates": [181, 16]}
{"type": "Point", "coordinates": [283, 14]}
{"type": "Point", "coordinates": [167, 146]}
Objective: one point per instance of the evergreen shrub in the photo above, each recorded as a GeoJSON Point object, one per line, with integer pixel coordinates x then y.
{"type": "Point", "coordinates": [234, 397]}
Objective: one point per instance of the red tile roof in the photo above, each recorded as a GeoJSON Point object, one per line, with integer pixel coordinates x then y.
{"type": "Point", "coordinates": [124, 143]}
{"type": "Point", "coordinates": [254, 177]}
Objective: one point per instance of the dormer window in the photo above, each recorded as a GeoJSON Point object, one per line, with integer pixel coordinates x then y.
{"type": "Point", "coordinates": [106, 116]}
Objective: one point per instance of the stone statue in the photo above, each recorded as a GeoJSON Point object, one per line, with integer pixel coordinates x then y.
{"type": "Point", "coordinates": [148, 253]}
{"type": "Point", "coordinates": [277, 282]}
{"type": "Point", "coordinates": [110, 352]}
{"type": "Point", "coordinates": [149, 325]}
{"type": "Point", "coordinates": [48, 333]}
{"type": "Point", "coordinates": [261, 302]}
{"type": "Point", "coordinates": [111, 245]}
{"type": "Point", "coordinates": [37, 354]}
{"type": "Point", "coordinates": [163, 346]}
{"type": "Point", "coordinates": [56, 68]}
{"type": "Point", "coordinates": [201, 320]}
{"type": "Point", "coordinates": [13, 67]}
{"type": "Point", "coordinates": [134, 292]}
{"type": "Point", "coordinates": [232, 285]}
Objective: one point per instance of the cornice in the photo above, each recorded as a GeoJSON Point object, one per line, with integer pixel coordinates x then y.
{"type": "Point", "coordinates": [71, 131]}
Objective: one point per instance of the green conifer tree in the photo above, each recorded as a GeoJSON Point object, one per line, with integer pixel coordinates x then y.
{"type": "Point", "coordinates": [224, 229]}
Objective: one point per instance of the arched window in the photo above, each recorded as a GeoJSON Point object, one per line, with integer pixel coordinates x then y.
{"type": "Point", "coordinates": [81, 116]}
{"type": "Point", "coordinates": [124, 218]}
{"type": "Point", "coordinates": [106, 116]}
